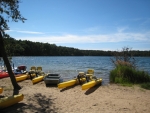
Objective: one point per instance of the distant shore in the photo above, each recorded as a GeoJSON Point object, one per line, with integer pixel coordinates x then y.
{"type": "Point", "coordinates": [108, 98]}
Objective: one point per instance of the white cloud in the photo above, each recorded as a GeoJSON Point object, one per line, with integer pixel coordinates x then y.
{"type": "Point", "coordinates": [30, 32]}
{"type": "Point", "coordinates": [69, 38]}
{"type": "Point", "coordinates": [119, 36]}
{"type": "Point", "coordinates": [26, 32]}
{"type": "Point", "coordinates": [9, 30]}
{"type": "Point", "coordinates": [121, 29]}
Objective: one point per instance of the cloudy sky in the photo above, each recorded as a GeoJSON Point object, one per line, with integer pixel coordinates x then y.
{"type": "Point", "coordinates": [85, 24]}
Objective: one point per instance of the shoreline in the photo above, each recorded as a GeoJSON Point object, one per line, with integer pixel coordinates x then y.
{"type": "Point", "coordinates": [106, 98]}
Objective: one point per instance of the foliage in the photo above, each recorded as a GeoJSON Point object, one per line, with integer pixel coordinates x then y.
{"type": "Point", "coordinates": [27, 48]}
{"type": "Point", "coordinates": [125, 71]}
{"type": "Point", "coordinates": [146, 85]}
{"type": "Point", "coordinates": [9, 9]}
{"type": "Point", "coordinates": [125, 74]}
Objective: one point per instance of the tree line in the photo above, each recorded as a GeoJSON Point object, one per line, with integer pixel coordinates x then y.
{"type": "Point", "coordinates": [15, 47]}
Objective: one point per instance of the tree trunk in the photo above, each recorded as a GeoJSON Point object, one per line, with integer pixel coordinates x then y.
{"type": "Point", "coordinates": [6, 61]}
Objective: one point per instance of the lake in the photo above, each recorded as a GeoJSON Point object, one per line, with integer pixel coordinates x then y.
{"type": "Point", "coordinates": [70, 66]}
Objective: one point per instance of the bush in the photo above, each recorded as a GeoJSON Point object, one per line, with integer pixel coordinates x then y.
{"type": "Point", "coordinates": [146, 85]}
{"type": "Point", "coordinates": [125, 71]}
{"type": "Point", "coordinates": [125, 74]}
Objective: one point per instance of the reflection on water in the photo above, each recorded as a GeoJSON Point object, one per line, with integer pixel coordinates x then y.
{"type": "Point", "coordinates": [68, 67]}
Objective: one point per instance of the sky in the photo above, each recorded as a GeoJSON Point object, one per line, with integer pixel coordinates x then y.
{"type": "Point", "coordinates": [85, 24]}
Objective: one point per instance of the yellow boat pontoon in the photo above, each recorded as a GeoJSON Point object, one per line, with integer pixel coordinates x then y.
{"type": "Point", "coordinates": [70, 83]}
{"type": "Point", "coordinates": [21, 78]}
{"type": "Point", "coordinates": [37, 79]}
{"type": "Point", "coordinates": [8, 101]}
{"type": "Point", "coordinates": [80, 79]}
{"type": "Point", "coordinates": [91, 83]}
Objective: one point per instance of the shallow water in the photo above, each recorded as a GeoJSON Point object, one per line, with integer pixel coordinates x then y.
{"type": "Point", "coordinates": [70, 66]}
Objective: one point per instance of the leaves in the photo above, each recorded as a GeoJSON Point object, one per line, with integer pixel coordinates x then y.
{"type": "Point", "coordinates": [9, 8]}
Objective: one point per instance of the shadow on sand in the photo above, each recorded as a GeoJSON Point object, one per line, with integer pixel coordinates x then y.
{"type": "Point", "coordinates": [51, 85]}
{"type": "Point", "coordinates": [13, 108]}
{"type": "Point", "coordinates": [91, 90]}
{"type": "Point", "coordinates": [67, 88]}
{"type": "Point", "coordinates": [38, 103]}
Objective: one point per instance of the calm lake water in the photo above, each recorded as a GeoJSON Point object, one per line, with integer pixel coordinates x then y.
{"type": "Point", "coordinates": [70, 66]}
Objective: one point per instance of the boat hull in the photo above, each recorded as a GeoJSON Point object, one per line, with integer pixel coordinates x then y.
{"type": "Point", "coordinates": [21, 78]}
{"type": "Point", "coordinates": [91, 84]}
{"type": "Point", "coordinates": [3, 74]}
{"type": "Point", "coordinates": [8, 101]}
{"type": "Point", "coordinates": [37, 79]}
{"type": "Point", "coordinates": [70, 83]}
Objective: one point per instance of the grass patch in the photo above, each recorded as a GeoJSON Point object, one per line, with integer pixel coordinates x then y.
{"type": "Point", "coordinates": [128, 76]}
{"type": "Point", "coordinates": [146, 86]}
{"type": "Point", "coordinates": [125, 72]}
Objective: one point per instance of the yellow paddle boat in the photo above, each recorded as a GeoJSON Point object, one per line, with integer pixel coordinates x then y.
{"type": "Point", "coordinates": [11, 100]}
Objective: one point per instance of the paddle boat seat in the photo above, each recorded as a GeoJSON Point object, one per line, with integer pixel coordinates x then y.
{"type": "Point", "coordinates": [39, 70]}
{"type": "Point", "coordinates": [80, 76]}
{"type": "Point", "coordinates": [90, 71]}
{"type": "Point", "coordinates": [33, 69]}
{"type": "Point", "coordinates": [32, 72]}
{"type": "Point", "coordinates": [90, 74]}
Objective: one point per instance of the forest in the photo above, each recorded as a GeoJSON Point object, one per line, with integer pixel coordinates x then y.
{"type": "Point", "coordinates": [15, 47]}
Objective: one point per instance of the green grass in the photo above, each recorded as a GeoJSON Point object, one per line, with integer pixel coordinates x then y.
{"type": "Point", "coordinates": [146, 85]}
{"type": "Point", "coordinates": [128, 76]}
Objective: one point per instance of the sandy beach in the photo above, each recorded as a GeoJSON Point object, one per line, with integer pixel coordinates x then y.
{"type": "Point", "coordinates": [109, 98]}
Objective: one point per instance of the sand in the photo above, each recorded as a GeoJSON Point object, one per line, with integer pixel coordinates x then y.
{"type": "Point", "coordinates": [109, 98]}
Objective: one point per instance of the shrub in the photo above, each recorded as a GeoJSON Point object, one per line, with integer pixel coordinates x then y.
{"type": "Point", "coordinates": [125, 74]}
{"type": "Point", "coordinates": [125, 71]}
{"type": "Point", "coordinates": [146, 85]}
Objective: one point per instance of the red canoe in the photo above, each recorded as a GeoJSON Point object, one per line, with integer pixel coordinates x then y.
{"type": "Point", "coordinates": [3, 74]}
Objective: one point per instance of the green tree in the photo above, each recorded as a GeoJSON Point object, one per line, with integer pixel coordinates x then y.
{"type": "Point", "coordinates": [8, 10]}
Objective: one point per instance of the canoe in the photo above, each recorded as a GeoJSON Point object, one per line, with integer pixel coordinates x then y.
{"type": "Point", "coordinates": [70, 83]}
{"type": "Point", "coordinates": [3, 74]}
{"type": "Point", "coordinates": [21, 78]}
{"type": "Point", "coordinates": [91, 84]}
{"type": "Point", "coordinates": [1, 90]}
{"type": "Point", "coordinates": [11, 100]}
{"type": "Point", "coordinates": [37, 79]}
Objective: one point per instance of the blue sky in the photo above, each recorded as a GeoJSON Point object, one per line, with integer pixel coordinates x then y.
{"type": "Point", "coordinates": [85, 24]}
